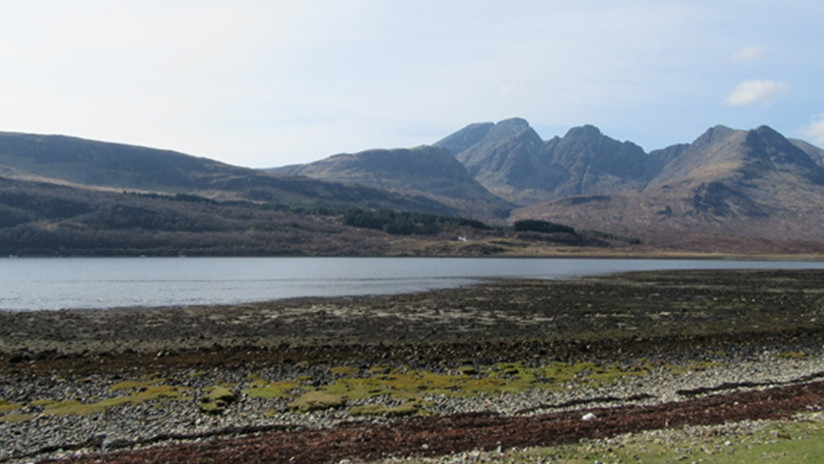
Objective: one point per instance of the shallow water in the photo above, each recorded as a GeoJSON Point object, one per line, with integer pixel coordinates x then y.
{"type": "Point", "coordinates": [62, 283]}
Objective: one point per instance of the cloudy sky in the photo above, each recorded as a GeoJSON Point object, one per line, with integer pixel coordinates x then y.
{"type": "Point", "coordinates": [266, 83]}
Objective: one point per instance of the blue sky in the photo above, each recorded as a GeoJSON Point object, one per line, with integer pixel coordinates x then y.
{"type": "Point", "coordinates": [268, 83]}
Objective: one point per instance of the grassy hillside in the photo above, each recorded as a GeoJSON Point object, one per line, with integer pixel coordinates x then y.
{"type": "Point", "coordinates": [426, 171]}
{"type": "Point", "coordinates": [46, 219]}
{"type": "Point", "coordinates": [90, 163]}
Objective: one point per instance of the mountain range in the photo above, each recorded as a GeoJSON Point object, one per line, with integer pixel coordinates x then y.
{"type": "Point", "coordinates": [729, 190]}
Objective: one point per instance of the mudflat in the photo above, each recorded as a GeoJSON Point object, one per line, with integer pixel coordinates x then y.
{"type": "Point", "coordinates": [510, 348]}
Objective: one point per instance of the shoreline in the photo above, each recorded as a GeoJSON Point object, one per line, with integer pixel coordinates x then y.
{"type": "Point", "coordinates": [103, 293]}
{"type": "Point", "coordinates": [508, 348]}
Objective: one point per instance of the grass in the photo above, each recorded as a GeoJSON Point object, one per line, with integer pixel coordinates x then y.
{"type": "Point", "coordinates": [782, 442]}
{"type": "Point", "coordinates": [798, 442]}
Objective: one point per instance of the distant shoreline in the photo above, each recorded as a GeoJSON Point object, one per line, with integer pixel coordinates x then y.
{"type": "Point", "coordinates": [121, 283]}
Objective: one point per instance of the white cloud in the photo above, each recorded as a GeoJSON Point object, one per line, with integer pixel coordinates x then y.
{"type": "Point", "coordinates": [755, 91]}
{"type": "Point", "coordinates": [814, 130]}
{"type": "Point", "coordinates": [751, 53]}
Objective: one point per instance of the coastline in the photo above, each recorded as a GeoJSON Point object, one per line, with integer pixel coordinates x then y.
{"type": "Point", "coordinates": [643, 335]}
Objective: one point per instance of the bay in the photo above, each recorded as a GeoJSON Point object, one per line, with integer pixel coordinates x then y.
{"type": "Point", "coordinates": [101, 283]}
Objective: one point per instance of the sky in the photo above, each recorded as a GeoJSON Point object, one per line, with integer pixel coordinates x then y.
{"type": "Point", "coordinates": [269, 83]}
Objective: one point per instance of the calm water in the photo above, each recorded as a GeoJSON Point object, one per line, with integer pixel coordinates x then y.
{"type": "Point", "coordinates": [60, 283]}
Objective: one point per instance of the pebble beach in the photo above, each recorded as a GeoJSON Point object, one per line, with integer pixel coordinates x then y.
{"type": "Point", "coordinates": [78, 383]}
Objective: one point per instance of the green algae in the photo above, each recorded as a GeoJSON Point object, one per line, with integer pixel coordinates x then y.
{"type": "Point", "coordinates": [791, 355]}
{"type": "Point", "coordinates": [141, 393]}
{"type": "Point", "coordinates": [411, 387]}
{"type": "Point", "coordinates": [404, 384]}
{"type": "Point", "coordinates": [316, 401]}
{"type": "Point", "coordinates": [127, 385]}
{"type": "Point", "coordinates": [6, 406]}
{"type": "Point", "coordinates": [343, 370]}
{"type": "Point", "coordinates": [406, 409]}
{"type": "Point", "coordinates": [263, 389]}
{"type": "Point", "coordinates": [16, 417]}
{"type": "Point", "coordinates": [217, 399]}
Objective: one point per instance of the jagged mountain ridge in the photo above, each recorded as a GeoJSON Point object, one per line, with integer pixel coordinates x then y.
{"type": "Point", "coordinates": [511, 160]}
{"type": "Point", "coordinates": [726, 185]}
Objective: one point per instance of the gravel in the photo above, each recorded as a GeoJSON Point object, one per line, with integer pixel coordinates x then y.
{"type": "Point", "coordinates": [695, 333]}
{"type": "Point", "coordinates": [172, 421]}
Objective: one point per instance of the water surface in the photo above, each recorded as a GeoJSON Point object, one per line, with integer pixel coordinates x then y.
{"type": "Point", "coordinates": [62, 283]}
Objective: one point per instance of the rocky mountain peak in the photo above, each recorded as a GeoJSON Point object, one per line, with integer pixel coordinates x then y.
{"type": "Point", "coordinates": [771, 151]}
{"type": "Point", "coordinates": [466, 137]}
{"type": "Point", "coordinates": [765, 136]}
{"type": "Point", "coordinates": [714, 135]}
{"type": "Point", "coordinates": [461, 143]}
{"type": "Point", "coordinates": [511, 125]}
{"type": "Point", "coordinates": [585, 131]}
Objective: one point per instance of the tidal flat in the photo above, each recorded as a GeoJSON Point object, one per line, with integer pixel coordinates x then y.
{"type": "Point", "coordinates": [78, 383]}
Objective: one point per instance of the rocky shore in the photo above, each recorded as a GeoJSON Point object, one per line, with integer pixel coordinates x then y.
{"type": "Point", "coordinates": [80, 383]}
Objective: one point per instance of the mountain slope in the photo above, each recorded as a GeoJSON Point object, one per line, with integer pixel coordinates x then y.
{"type": "Point", "coordinates": [593, 163]}
{"type": "Point", "coordinates": [815, 153]}
{"type": "Point", "coordinates": [727, 186]}
{"type": "Point", "coordinates": [90, 163]}
{"type": "Point", "coordinates": [728, 190]}
{"type": "Point", "coordinates": [502, 157]}
{"type": "Point", "coordinates": [511, 160]}
{"type": "Point", "coordinates": [426, 171]}
{"type": "Point", "coordinates": [47, 219]}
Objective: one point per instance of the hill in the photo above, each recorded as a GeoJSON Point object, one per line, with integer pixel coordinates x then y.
{"type": "Point", "coordinates": [427, 171]}
{"type": "Point", "coordinates": [47, 219]}
{"type": "Point", "coordinates": [88, 163]}
{"type": "Point", "coordinates": [62, 196]}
